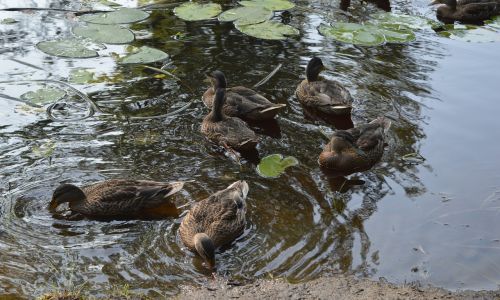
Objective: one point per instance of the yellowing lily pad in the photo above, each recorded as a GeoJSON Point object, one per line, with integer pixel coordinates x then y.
{"type": "Point", "coordinates": [246, 15]}
{"type": "Point", "coordinates": [269, 4]}
{"type": "Point", "coordinates": [193, 11]}
{"type": "Point", "coordinates": [109, 34]}
{"type": "Point", "coordinates": [67, 48]}
{"type": "Point", "coordinates": [8, 21]}
{"type": "Point", "coordinates": [44, 95]}
{"type": "Point", "coordinates": [144, 55]}
{"type": "Point", "coordinates": [268, 30]}
{"type": "Point", "coordinates": [120, 16]}
{"type": "Point", "coordinates": [80, 76]}
{"type": "Point", "coordinates": [364, 35]}
{"type": "Point", "coordinates": [272, 166]}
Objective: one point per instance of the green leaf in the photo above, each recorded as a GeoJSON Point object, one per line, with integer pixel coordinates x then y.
{"type": "Point", "coordinates": [269, 4]}
{"type": "Point", "coordinates": [470, 33]}
{"type": "Point", "coordinates": [268, 30]}
{"type": "Point", "coordinates": [44, 95]}
{"type": "Point", "coordinates": [44, 150]}
{"type": "Point", "coordinates": [363, 35]}
{"type": "Point", "coordinates": [412, 22]}
{"type": "Point", "coordinates": [8, 21]}
{"type": "Point", "coordinates": [120, 16]}
{"type": "Point", "coordinates": [67, 48]}
{"type": "Point", "coordinates": [192, 11]}
{"type": "Point", "coordinates": [494, 22]}
{"type": "Point", "coordinates": [109, 34]}
{"type": "Point", "coordinates": [144, 55]}
{"type": "Point", "coordinates": [80, 76]}
{"type": "Point", "coordinates": [246, 15]}
{"type": "Point", "coordinates": [272, 166]}
{"type": "Point", "coordinates": [397, 33]}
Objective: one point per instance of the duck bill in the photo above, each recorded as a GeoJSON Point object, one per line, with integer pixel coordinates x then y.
{"type": "Point", "coordinates": [53, 205]}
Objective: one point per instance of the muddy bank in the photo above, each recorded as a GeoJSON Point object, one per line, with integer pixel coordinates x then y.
{"type": "Point", "coordinates": [338, 287]}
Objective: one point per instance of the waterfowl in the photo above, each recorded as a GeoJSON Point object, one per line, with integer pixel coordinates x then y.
{"type": "Point", "coordinates": [241, 102]}
{"type": "Point", "coordinates": [229, 132]}
{"type": "Point", "coordinates": [118, 198]}
{"type": "Point", "coordinates": [215, 221]}
{"type": "Point", "coordinates": [466, 11]}
{"type": "Point", "coordinates": [326, 96]}
{"type": "Point", "coordinates": [356, 149]}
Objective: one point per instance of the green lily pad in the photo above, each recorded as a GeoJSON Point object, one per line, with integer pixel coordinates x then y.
{"type": "Point", "coordinates": [109, 34]}
{"type": "Point", "coordinates": [494, 22]}
{"type": "Point", "coordinates": [80, 76]}
{"type": "Point", "coordinates": [144, 55]}
{"type": "Point", "coordinates": [8, 21]}
{"type": "Point", "coordinates": [269, 4]}
{"type": "Point", "coordinates": [192, 11]}
{"type": "Point", "coordinates": [412, 22]}
{"type": "Point", "coordinates": [44, 95]}
{"type": "Point", "coordinates": [363, 35]}
{"type": "Point", "coordinates": [397, 33]}
{"type": "Point", "coordinates": [470, 33]}
{"type": "Point", "coordinates": [44, 150]}
{"type": "Point", "coordinates": [272, 166]}
{"type": "Point", "coordinates": [120, 16]}
{"type": "Point", "coordinates": [246, 15]}
{"type": "Point", "coordinates": [67, 48]}
{"type": "Point", "coordinates": [268, 30]}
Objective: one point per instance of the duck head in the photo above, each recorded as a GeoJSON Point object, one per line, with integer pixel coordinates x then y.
{"type": "Point", "coordinates": [205, 248]}
{"type": "Point", "coordinates": [217, 79]}
{"type": "Point", "coordinates": [66, 193]}
{"type": "Point", "coordinates": [314, 67]}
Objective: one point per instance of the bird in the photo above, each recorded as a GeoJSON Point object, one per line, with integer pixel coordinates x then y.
{"type": "Point", "coordinates": [229, 132]}
{"type": "Point", "coordinates": [357, 149]}
{"type": "Point", "coordinates": [466, 11]}
{"type": "Point", "coordinates": [215, 221]}
{"type": "Point", "coordinates": [118, 199]}
{"type": "Point", "coordinates": [241, 102]}
{"type": "Point", "coordinates": [326, 96]}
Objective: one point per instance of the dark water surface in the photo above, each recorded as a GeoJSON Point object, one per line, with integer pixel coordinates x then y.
{"type": "Point", "coordinates": [435, 221]}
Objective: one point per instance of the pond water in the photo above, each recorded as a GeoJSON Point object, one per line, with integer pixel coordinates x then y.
{"type": "Point", "coordinates": [432, 220]}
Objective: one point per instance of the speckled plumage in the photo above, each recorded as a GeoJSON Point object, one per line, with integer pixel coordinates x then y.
{"type": "Point", "coordinates": [466, 11]}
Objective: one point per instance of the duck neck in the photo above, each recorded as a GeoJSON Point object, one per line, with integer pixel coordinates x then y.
{"type": "Point", "coordinates": [205, 248]}
{"type": "Point", "coordinates": [312, 75]}
{"type": "Point", "coordinates": [219, 99]}
{"type": "Point", "coordinates": [452, 4]}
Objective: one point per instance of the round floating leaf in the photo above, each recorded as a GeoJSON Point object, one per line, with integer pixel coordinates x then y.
{"type": "Point", "coordinates": [192, 11]}
{"type": "Point", "coordinates": [413, 22]}
{"type": "Point", "coordinates": [80, 76]}
{"type": "Point", "coordinates": [274, 165]}
{"type": "Point", "coordinates": [268, 30]}
{"type": "Point", "coordinates": [269, 4]}
{"type": "Point", "coordinates": [397, 33]}
{"type": "Point", "coordinates": [8, 21]}
{"type": "Point", "coordinates": [363, 35]}
{"type": "Point", "coordinates": [494, 22]}
{"type": "Point", "coordinates": [109, 34]}
{"type": "Point", "coordinates": [144, 55]}
{"type": "Point", "coordinates": [470, 33]}
{"type": "Point", "coordinates": [44, 95]}
{"type": "Point", "coordinates": [246, 15]}
{"type": "Point", "coordinates": [121, 16]}
{"type": "Point", "coordinates": [67, 48]}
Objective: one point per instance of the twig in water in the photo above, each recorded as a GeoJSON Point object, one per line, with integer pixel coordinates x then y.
{"type": "Point", "coordinates": [19, 100]}
{"type": "Point", "coordinates": [266, 79]}
{"type": "Point", "coordinates": [25, 63]}
{"type": "Point", "coordinates": [76, 12]}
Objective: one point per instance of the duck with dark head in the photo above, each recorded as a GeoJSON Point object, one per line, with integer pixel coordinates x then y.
{"type": "Point", "coordinates": [466, 11]}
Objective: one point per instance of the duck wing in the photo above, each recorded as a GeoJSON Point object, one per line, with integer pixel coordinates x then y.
{"type": "Point", "coordinates": [479, 11]}
{"type": "Point", "coordinates": [325, 95]}
{"type": "Point", "coordinates": [232, 132]}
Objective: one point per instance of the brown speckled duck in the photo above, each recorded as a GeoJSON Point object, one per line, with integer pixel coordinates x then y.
{"type": "Point", "coordinates": [241, 102]}
{"type": "Point", "coordinates": [118, 198]}
{"type": "Point", "coordinates": [229, 132]}
{"type": "Point", "coordinates": [466, 11]}
{"type": "Point", "coordinates": [326, 96]}
{"type": "Point", "coordinates": [356, 149]}
{"type": "Point", "coordinates": [215, 221]}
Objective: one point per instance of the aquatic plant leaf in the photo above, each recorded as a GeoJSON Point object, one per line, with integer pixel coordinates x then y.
{"type": "Point", "coordinates": [494, 22]}
{"type": "Point", "coordinates": [470, 33]}
{"type": "Point", "coordinates": [363, 35]}
{"type": "Point", "coordinates": [245, 15]}
{"type": "Point", "coordinates": [44, 95]}
{"type": "Point", "coordinates": [412, 22]}
{"type": "Point", "coordinates": [268, 30]}
{"type": "Point", "coordinates": [8, 21]}
{"type": "Point", "coordinates": [397, 33]}
{"type": "Point", "coordinates": [109, 34]}
{"type": "Point", "coordinates": [269, 4]}
{"type": "Point", "coordinates": [144, 55]}
{"type": "Point", "coordinates": [44, 150]}
{"type": "Point", "coordinates": [192, 11]}
{"type": "Point", "coordinates": [80, 76]}
{"type": "Point", "coordinates": [120, 16]}
{"type": "Point", "coordinates": [272, 166]}
{"type": "Point", "coordinates": [67, 48]}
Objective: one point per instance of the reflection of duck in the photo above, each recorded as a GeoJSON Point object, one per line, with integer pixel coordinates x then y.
{"type": "Point", "coordinates": [382, 4]}
{"type": "Point", "coordinates": [326, 96]}
{"type": "Point", "coordinates": [119, 199]}
{"type": "Point", "coordinates": [229, 132]}
{"type": "Point", "coordinates": [467, 11]}
{"type": "Point", "coordinates": [241, 102]}
{"type": "Point", "coordinates": [215, 221]}
{"type": "Point", "coordinates": [356, 149]}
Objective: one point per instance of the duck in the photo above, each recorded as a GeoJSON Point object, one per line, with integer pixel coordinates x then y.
{"type": "Point", "coordinates": [357, 149]}
{"type": "Point", "coordinates": [215, 221]}
{"type": "Point", "coordinates": [118, 198]}
{"type": "Point", "coordinates": [241, 102]}
{"type": "Point", "coordinates": [229, 132]}
{"type": "Point", "coordinates": [326, 96]}
{"type": "Point", "coordinates": [466, 11]}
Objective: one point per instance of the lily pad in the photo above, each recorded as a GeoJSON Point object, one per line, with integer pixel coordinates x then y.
{"type": "Point", "coordinates": [144, 55]}
{"type": "Point", "coordinates": [412, 22]}
{"type": "Point", "coordinates": [67, 48]}
{"type": "Point", "coordinates": [494, 22]}
{"type": "Point", "coordinates": [120, 16]}
{"type": "Point", "coordinates": [269, 4]}
{"type": "Point", "coordinates": [192, 11]}
{"type": "Point", "coordinates": [80, 76]}
{"type": "Point", "coordinates": [8, 21]}
{"type": "Point", "coordinates": [268, 30]}
{"type": "Point", "coordinates": [109, 34]}
{"type": "Point", "coordinates": [363, 35]}
{"type": "Point", "coordinates": [44, 95]}
{"type": "Point", "coordinates": [397, 33]}
{"type": "Point", "coordinates": [246, 15]}
{"type": "Point", "coordinates": [272, 166]}
{"type": "Point", "coordinates": [470, 33]}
